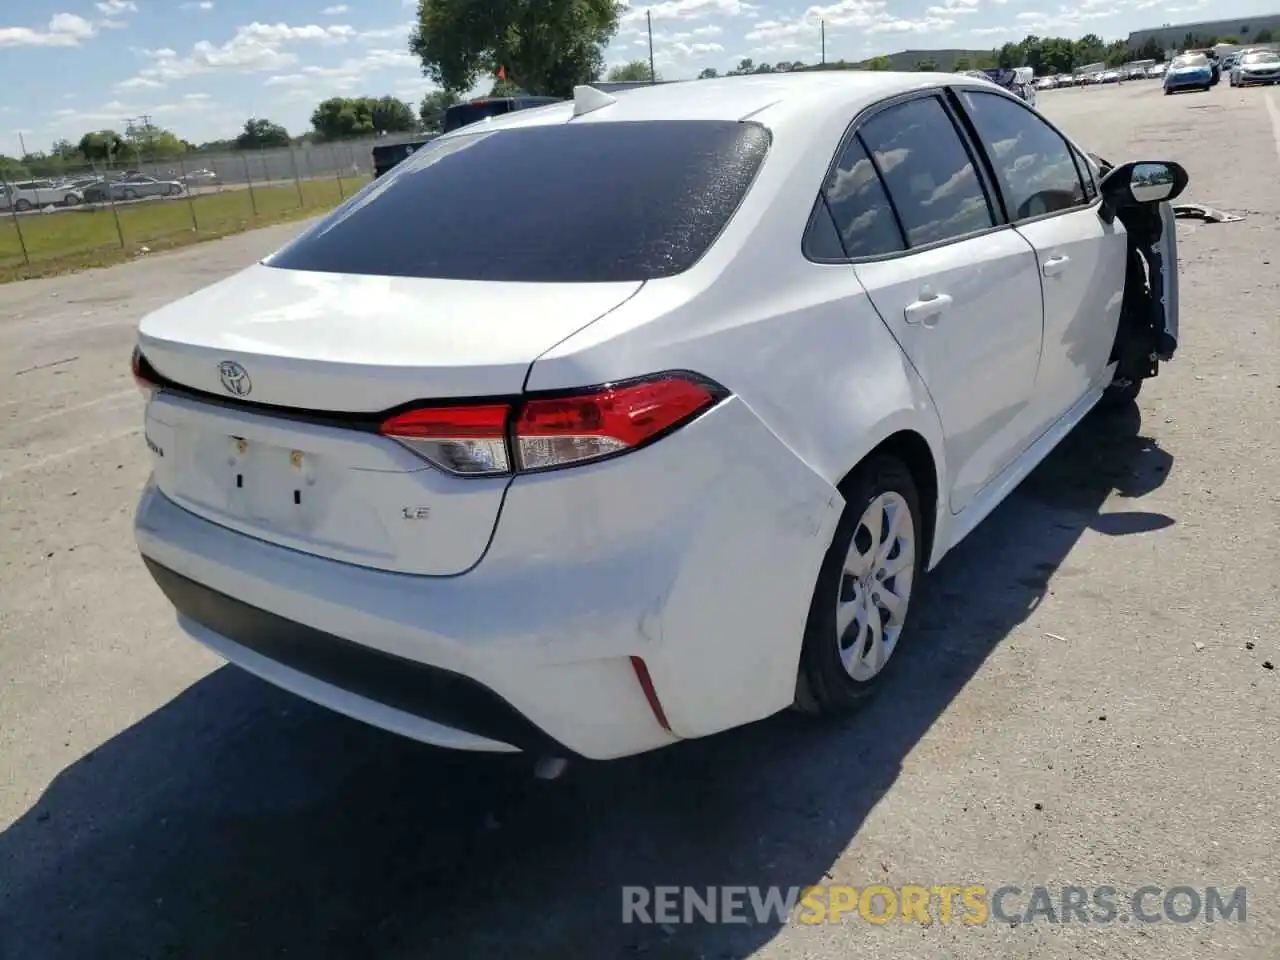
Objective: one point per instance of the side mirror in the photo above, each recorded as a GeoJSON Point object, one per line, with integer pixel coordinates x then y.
{"type": "Point", "coordinates": [1141, 182]}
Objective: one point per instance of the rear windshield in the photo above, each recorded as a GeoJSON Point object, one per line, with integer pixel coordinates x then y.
{"type": "Point", "coordinates": [1192, 60]}
{"type": "Point", "coordinates": [462, 114]}
{"type": "Point", "coordinates": [560, 203]}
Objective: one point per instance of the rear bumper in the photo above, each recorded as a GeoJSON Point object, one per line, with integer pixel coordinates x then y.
{"type": "Point", "coordinates": [698, 555]}
{"type": "Point", "coordinates": [1188, 83]}
{"type": "Point", "coordinates": [435, 701]}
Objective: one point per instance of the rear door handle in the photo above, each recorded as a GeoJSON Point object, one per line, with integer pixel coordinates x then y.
{"type": "Point", "coordinates": [928, 309]}
{"type": "Point", "coordinates": [1055, 265]}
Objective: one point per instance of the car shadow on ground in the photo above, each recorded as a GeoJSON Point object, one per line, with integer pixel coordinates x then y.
{"type": "Point", "coordinates": [237, 821]}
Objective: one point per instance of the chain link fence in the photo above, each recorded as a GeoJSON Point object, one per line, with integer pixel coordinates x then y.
{"type": "Point", "coordinates": [92, 213]}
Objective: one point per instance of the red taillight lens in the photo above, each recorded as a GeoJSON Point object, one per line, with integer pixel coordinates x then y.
{"type": "Point", "coordinates": [550, 432]}
{"type": "Point", "coordinates": [471, 441]}
{"type": "Point", "coordinates": [140, 376]}
{"type": "Point", "coordinates": [613, 419]}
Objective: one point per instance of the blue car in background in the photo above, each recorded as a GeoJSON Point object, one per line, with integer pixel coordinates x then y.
{"type": "Point", "coordinates": [1191, 71]}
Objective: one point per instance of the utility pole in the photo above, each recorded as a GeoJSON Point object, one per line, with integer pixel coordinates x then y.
{"type": "Point", "coordinates": [22, 143]}
{"type": "Point", "coordinates": [822, 24]}
{"type": "Point", "coordinates": [648, 19]}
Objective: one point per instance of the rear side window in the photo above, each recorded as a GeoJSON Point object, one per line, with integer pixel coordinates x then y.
{"type": "Point", "coordinates": [927, 171]}
{"type": "Point", "coordinates": [1035, 167]}
{"type": "Point", "coordinates": [561, 203]}
{"type": "Point", "coordinates": [860, 206]}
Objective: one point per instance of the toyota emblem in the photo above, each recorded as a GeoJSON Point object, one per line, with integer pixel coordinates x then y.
{"type": "Point", "coordinates": [235, 378]}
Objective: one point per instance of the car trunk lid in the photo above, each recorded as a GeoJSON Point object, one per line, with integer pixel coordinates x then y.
{"type": "Point", "coordinates": [279, 379]}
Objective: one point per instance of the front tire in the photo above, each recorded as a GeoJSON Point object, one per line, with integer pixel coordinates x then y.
{"type": "Point", "coordinates": [864, 590]}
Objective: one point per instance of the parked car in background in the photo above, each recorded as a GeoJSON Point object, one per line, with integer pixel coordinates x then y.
{"type": "Point", "coordinates": [199, 178]}
{"type": "Point", "coordinates": [461, 114]}
{"type": "Point", "coordinates": [1109, 76]}
{"type": "Point", "coordinates": [135, 186]}
{"type": "Point", "coordinates": [1191, 71]}
{"type": "Point", "coordinates": [26, 195]}
{"type": "Point", "coordinates": [1256, 67]}
{"type": "Point", "coordinates": [1157, 69]}
{"type": "Point", "coordinates": [657, 428]}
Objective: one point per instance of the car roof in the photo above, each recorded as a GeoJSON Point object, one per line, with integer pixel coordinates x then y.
{"type": "Point", "coordinates": [778, 101]}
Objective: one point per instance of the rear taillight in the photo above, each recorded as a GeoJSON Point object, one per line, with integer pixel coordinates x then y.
{"type": "Point", "coordinates": [470, 441]}
{"type": "Point", "coordinates": [142, 375]}
{"type": "Point", "coordinates": [546, 432]}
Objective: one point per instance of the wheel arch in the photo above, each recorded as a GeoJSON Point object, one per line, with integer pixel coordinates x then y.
{"type": "Point", "coordinates": [917, 454]}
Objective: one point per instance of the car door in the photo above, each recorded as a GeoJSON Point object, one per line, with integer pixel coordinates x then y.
{"type": "Point", "coordinates": [959, 291]}
{"type": "Point", "coordinates": [1051, 197]}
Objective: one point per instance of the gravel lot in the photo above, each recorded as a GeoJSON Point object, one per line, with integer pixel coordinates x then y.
{"type": "Point", "coordinates": [1088, 702]}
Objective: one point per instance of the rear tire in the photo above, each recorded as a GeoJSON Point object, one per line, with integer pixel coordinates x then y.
{"type": "Point", "coordinates": [1119, 397]}
{"type": "Point", "coordinates": [839, 674]}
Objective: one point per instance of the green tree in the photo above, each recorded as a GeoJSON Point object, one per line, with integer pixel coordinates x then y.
{"type": "Point", "coordinates": [12, 169]}
{"type": "Point", "coordinates": [102, 145]}
{"type": "Point", "coordinates": [1264, 36]}
{"type": "Point", "coordinates": [745, 65]}
{"type": "Point", "coordinates": [545, 46]}
{"type": "Point", "coordinates": [961, 65]}
{"type": "Point", "coordinates": [392, 115]}
{"type": "Point", "coordinates": [926, 65]}
{"type": "Point", "coordinates": [259, 134]}
{"type": "Point", "coordinates": [708, 73]}
{"type": "Point", "coordinates": [880, 63]}
{"type": "Point", "coordinates": [635, 70]}
{"type": "Point", "coordinates": [341, 118]}
{"type": "Point", "coordinates": [502, 87]}
{"type": "Point", "coordinates": [434, 104]}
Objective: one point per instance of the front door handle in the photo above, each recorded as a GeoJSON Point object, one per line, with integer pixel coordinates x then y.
{"type": "Point", "coordinates": [1055, 265]}
{"type": "Point", "coordinates": [928, 309]}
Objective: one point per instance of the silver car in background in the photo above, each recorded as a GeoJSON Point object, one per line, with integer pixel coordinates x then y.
{"type": "Point", "coordinates": [1256, 66]}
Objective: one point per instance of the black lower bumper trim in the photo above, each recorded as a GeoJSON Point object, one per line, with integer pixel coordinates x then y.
{"type": "Point", "coordinates": [428, 692]}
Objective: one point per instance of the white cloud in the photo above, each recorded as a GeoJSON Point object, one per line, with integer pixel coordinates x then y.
{"type": "Point", "coordinates": [634, 17]}
{"type": "Point", "coordinates": [200, 5]}
{"type": "Point", "coordinates": [866, 17]}
{"type": "Point", "coordinates": [113, 7]}
{"type": "Point", "coordinates": [352, 74]}
{"type": "Point", "coordinates": [64, 30]}
{"type": "Point", "coordinates": [335, 10]}
{"type": "Point", "coordinates": [399, 31]}
{"type": "Point", "coordinates": [256, 47]}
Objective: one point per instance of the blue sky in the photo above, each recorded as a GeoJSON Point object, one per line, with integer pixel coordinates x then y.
{"type": "Point", "coordinates": [201, 67]}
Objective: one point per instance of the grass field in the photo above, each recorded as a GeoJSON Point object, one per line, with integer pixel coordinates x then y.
{"type": "Point", "coordinates": [76, 239]}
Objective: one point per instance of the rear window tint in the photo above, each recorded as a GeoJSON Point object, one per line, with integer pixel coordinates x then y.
{"type": "Point", "coordinates": [563, 203]}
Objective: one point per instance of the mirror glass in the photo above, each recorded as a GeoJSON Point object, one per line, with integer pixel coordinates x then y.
{"type": "Point", "coordinates": [1151, 181]}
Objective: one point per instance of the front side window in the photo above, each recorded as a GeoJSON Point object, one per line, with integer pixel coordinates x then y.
{"type": "Point", "coordinates": [927, 171]}
{"type": "Point", "coordinates": [1087, 174]}
{"type": "Point", "coordinates": [860, 207]}
{"type": "Point", "coordinates": [1035, 167]}
{"type": "Point", "coordinates": [554, 203]}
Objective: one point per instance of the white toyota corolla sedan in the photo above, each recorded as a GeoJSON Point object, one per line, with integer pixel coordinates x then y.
{"type": "Point", "coordinates": [638, 417]}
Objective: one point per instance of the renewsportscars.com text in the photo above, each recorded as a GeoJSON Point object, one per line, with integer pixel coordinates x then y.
{"type": "Point", "coordinates": [968, 904]}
